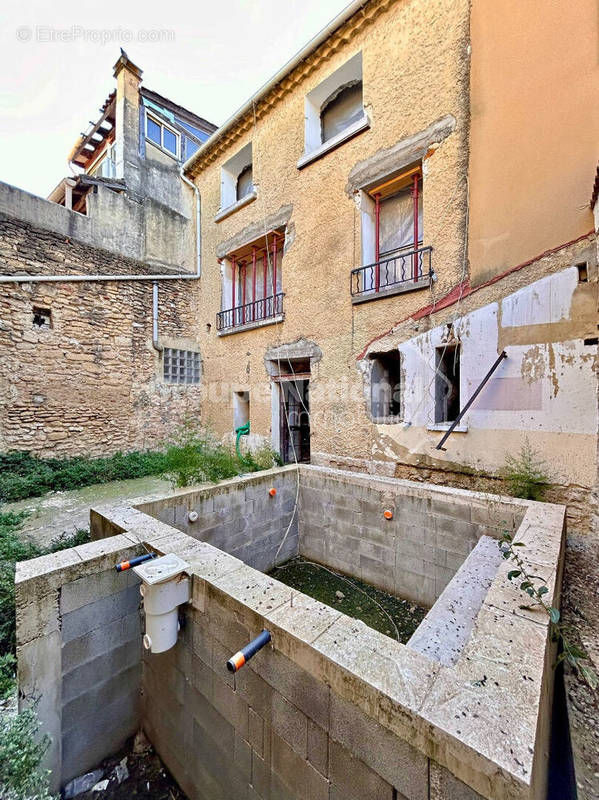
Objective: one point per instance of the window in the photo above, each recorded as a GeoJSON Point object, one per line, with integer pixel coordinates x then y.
{"type": "Point", "coordinates": [163, 136]}
{"type": "Point", "coordinates": [241, 409]}
{"type": "Point", "coordinates": [236, 183]}
{"type": "Point", "coordinates": [334, 111]}
{"type": "Point", "coordinates": [447, 383]}
{"type": "Point", "coordinates": [244, 182]}
{"type": "Point", "coordinates": [106, 167]}
{"type": "Point", "coordinates": [341, 110]}
{"type": "Point", "coordinates": [252, 283]}
{"type": "Point", "coordinates": [385, 385]}
{"type": "Point", "coordinates": [42, 318]}
{"type": "Point", "coordinates": [393, 254]}
{"type": "Point", "coordinates": [181, 366]}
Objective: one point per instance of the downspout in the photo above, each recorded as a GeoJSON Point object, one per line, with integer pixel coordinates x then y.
{"type": "Point", "coordinates": [155, 343]}
{"type": "Point", "coordinates": [198, 222]}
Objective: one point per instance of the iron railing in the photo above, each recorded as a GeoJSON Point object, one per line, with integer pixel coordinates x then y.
{"type": "Point", "coordinates": [266, 308]}
{"type": "Point", "coordinates": [398, 268]}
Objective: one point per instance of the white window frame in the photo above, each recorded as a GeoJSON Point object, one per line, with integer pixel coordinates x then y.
{"type": "Point", "coordinates": [314, 147]}
{"type": "Point", "coordinates": [229, 174]}
{"type": "Point", "coordinates": [170, 128]}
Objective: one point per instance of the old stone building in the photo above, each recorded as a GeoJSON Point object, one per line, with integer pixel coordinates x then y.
{"type": "Point", "coordinates": [98, 315]}
{"type": "Point", "coordinates": [401, 227]}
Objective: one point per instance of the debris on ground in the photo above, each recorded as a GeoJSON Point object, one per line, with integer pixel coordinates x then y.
{"type": "Point", "coordinates": [135, 773]}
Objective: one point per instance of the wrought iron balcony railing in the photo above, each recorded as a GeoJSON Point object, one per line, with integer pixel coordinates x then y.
{"type": "Point", "coordinates": [397, 270]}
{"type": "Point", "coordinates": [266, 308]}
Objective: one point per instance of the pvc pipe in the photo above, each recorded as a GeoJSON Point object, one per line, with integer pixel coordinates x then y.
{"type": "Point", "coordinates": [93, 278]}
{"type": "Point", "coordinates": [315, 42]}
{"type": "Point", "coordinates": [155, 343]}
{"type": "Point", "coordinates": [240, 658]}
{"type": "Point", "coordinates": [186, 180]}
{"type": "Point", "coordinates": [133, 562]}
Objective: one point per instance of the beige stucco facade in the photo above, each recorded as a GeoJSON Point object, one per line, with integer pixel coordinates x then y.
{"type": "Point", "coordinates": [428, 73]}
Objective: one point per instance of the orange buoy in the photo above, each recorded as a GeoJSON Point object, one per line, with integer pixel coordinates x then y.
{"type": "Point", "coordinates": [388, 514]}
{"type": "Point", "coordinates": [272, 492]}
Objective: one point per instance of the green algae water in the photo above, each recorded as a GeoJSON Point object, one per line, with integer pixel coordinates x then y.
{"type": "Point", "coordinates": [384, 612]}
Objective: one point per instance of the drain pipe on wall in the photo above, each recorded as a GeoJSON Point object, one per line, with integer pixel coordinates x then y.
{"type": "Point", "coordinates": [155, 343]}
{"type": "Point", "coordinates": [186, 180]}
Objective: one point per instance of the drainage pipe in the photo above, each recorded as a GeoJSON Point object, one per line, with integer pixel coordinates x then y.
{"type": "Point", "coordinates": [237, 661]}
{"type": "Point", "coordinates": [133, 562]}
{"type": "Point", "coordinates": [155, 343]}
{"type": "Point", "coordinates": [186, 180]}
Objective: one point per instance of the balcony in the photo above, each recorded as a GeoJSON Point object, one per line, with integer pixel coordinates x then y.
{"type": "Point", "coordinates": [266, 311]}
{"type": "Point", "coordinates": [398, 272]}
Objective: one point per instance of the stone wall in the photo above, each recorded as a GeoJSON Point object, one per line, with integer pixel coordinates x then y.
{"type": "Point", "coordinates": [90, 383]}
{"type": "Point", "coordinates": [79, 652]}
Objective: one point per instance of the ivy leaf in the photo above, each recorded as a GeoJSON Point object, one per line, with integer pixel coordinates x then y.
{"type": "Point", "coordinates": [542, 590]}
{"type": "Point", "coordinates": [589, 676]}
{"type": "Point", "coordinates": [518, 544]}
{"type": "Point", "coordinates": [554, 615]}
{"type": "Point", "coordinates": [513, 573]}
{"type": "Point", "coordinates": [525, 585]}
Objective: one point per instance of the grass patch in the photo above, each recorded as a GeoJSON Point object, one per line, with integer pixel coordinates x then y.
{"type": "Point", "coordinates": [196, 456]}
{"type": "Point", "coordinates": [23, 475]}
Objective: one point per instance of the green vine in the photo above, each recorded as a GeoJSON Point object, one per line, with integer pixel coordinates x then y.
{"type": "Point", "coordinates": [536, 588]}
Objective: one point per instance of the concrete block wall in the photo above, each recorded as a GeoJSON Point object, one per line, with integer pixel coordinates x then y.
{"type": "Point", "coordinates": [273, 731]}
{"type": "Point", "coordinates": [79, 651]}
{"type": "Point", "coordinates": [239, 516]}
{"type": "Point", "coordinates": [417, 552]}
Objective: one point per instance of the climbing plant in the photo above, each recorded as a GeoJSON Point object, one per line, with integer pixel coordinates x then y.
{"type": "Point", "coordinates": [537, 590]}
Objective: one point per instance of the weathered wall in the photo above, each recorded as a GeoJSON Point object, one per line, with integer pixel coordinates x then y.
{"type": "Point", "coordinates": [91, 383]}
{"type": "Point", "coordinates": [331, 708]}
{"type": "Point", "coordinates": [415, 554]}
{"type": "Point", "coordinates": [410, 82]}
{"type": "Point", "coordinates": [79, 652]}
{"type": "Point", "coordinates": [534, 130]}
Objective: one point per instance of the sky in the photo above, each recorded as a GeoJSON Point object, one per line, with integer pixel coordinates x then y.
{"type": "Point", "coordinates": [56, 65]}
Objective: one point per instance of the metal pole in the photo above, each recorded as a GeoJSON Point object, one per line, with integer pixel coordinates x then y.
{"type": "Point", "coordinates": [415, 257]}
{"type": "Point", "coordinates": [456, 422]}
{"type": "Point", "coordinates": [377, 240]}
{"type": "Point", "coordinates": [253, 283]}
{"type": "Point", "coordinates": [233, 285]}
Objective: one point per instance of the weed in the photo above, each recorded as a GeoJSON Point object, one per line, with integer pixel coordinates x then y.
{"type": "Point", "coordinates": [21, 753]}
{"type": "Point", "coordinates": [526, 475]}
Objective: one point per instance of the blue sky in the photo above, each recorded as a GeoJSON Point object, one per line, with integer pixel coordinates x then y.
{"type": "Point", "coordinates": [56, 65]}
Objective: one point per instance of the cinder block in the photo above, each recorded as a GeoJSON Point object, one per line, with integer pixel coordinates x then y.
{"type": "Point", "coordinates": [354, 779]}
{"type": "Point", "coordinates": [99, 694]}
{"type": "Point", "coordinates": [296, 774]}
{"type": "Point", "coordinates": [261, 777]}
{"type": "Point", "coordinates": [232, 706]}
{"type": "Point", "coordinates": [290, 724]}
{"type": "Point", "coordinates": [318, 748]}
{"type": "Point", "coordinates": [94, 615]}
{"type": "Point", "coordinates": [92, 588]}
{"type": "Point", "coordinates": [295, 684]}
{"type": "Point", "coordinates": [113, 662]}
{"type": "Point", "coordinates": [37, 618]}
{"type": "Point", "coordinates": [201, 677]}
{"type": "Point", "coordinates": [394, 760]}
{"type": "Point", "coordinates": [445, 786]}
{"type": "Point", "coordinates": [256, 732]}
{"type": "Point", "coordinates": [101, 640]}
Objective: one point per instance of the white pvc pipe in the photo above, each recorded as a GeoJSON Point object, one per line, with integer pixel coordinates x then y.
{"type": "Point", "coordinates": [92, 278]}
{"type": "Point", "coordinates": [155, 343]}
{"type": "Point", "coordinates": [315, 42]}
{"type": "Point", "coordinates": [198, 223]}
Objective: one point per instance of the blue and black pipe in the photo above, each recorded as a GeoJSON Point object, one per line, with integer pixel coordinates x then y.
{"type": "Point", "coordinates": [240, 658]}
{"type": "Point", "coordinates": [133, 562]}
